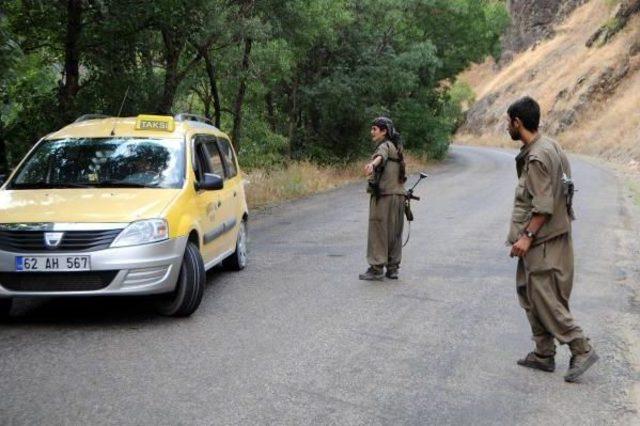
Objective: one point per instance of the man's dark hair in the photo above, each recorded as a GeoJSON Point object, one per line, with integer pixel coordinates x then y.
{"type": "Point", "coordinates": [528, 111]}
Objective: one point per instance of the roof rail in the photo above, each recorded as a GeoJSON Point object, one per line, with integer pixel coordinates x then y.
{"type": "Point", "coordinates": [192, 117]}
{"type": "Point", "coordinates": [86, 117]}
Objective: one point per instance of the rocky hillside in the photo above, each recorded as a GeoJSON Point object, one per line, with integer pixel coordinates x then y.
{"type": "Point", "coordinates": [532, 21]}
{"type": "Point", "coordinates": [582, 63]}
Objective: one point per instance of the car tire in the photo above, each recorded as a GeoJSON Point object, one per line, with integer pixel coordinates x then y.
{"type": "Point", "coordinates": [5, 307]}
{"type": "Point", "coordinates": [238, 260]}
{"type": "Point", "coordinates": [186, 298]}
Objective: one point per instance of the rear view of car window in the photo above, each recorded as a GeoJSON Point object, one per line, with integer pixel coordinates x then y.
{"type": "Point", "coordinates": [228, 158]}
{"type": "Point", "coordinates": [215, 162]}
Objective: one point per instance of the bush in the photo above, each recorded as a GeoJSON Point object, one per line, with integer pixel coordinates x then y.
{"type": "Point", "coordinates": [261, 148]}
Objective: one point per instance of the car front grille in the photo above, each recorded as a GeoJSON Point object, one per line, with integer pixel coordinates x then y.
{"type": "Point", "coordinates": [34, 241]}
{"type": "Point", "coordinates": [56, 281]}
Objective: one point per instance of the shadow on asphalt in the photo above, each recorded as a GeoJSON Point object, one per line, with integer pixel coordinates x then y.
{"type": "Point", "coordinates": [94, 311]}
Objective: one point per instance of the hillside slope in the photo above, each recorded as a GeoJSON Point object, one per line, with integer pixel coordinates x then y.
{"type": "Point", "coordinates": [590, 96]}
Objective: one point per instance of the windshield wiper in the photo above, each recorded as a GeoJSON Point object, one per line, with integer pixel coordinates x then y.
{"type": "Point", "coordinates": [73, 185]}
{"type": "Point", "coordinates": [47, 185]}
{"type": "Point", "coordinates": [124, 184]}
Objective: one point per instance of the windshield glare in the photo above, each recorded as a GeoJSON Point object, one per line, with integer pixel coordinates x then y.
{"type": "Point", "coordinates": [127, 162]}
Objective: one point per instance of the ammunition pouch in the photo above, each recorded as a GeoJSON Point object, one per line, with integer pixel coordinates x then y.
{"type": "Point", "coordinates": [407, 210]}
{"type": "Point", "coordinates": [373, 184]}
{"type": "Point", "coordinates": [373, 188]}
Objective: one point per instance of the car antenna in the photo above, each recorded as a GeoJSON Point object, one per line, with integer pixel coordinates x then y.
{"type": "Point", "coordinates": [113, 131]}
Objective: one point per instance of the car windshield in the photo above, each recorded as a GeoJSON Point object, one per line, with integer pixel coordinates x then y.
{"type": "Point", "coordinates": [103, 162]}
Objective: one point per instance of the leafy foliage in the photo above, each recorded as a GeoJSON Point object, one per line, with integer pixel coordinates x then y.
{"type": "Point", "coordinates": [289, 78]}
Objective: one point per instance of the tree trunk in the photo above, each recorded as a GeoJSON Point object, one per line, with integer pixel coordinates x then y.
{"type": "Point", "coordinates": [71, 76]}
{"type": "Point", "coordinates": [271, 114]}
{"type": "Point", "coordinates": [207, 107]}
{"type": "Point", "coordinates": [4, 163]}
{"type": "Point", "coordinates": [293, 112]}
{"type": "Point", "coordinates": [173, 49]}
{"type": "Point", "coordinates": [213, 84]}
{"type": "Point", "coordinates": [242, 89]}
{"type": "Point", "coordinates": [170, 86]}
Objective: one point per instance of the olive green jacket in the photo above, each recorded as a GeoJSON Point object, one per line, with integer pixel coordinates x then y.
{"type": "Point", "coordinates": [390, 179]}
{"type": "Point", "coordinates": [540, 166]}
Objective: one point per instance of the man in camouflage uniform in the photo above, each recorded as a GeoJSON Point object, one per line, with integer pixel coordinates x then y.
{"type": "Point", "coordinates": [540, 236]}
{"type": "Point", "coordinates": [386, 207]}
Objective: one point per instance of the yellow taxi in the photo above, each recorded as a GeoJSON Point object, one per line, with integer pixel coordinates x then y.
{"type": "Point", "coordinates": [123, 206]}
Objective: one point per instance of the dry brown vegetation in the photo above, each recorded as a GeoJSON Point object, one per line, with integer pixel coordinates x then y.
{"type": "Point", "coordinates": [590, 97]}
{"type": "Point", "coordinates": [303, 178]}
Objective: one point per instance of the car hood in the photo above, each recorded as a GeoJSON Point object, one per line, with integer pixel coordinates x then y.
{"type": "Point", "coordinates": [83, 205]}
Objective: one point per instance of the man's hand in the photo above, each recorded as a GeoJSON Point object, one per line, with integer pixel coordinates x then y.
{"type": "Point", "coordinates": [521, 247]}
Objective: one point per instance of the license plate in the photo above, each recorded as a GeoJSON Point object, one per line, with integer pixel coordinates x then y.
{"type": "Point", "coordinates": [52, 263]}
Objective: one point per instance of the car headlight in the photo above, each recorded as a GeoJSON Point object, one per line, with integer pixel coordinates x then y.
{"type": "Point", "coordinates": [142, 232]}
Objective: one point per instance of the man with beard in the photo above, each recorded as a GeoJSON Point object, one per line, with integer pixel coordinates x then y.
{"type": "Point", "coordinates": [540, 236]}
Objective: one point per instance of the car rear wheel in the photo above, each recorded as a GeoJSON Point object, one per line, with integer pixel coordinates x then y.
{"type": "Point", "coordinates": [238, 260]}
{"type": "Point", "coordinates": [186, 298]}
{"type": "Point", "coordinates": [5, 307]}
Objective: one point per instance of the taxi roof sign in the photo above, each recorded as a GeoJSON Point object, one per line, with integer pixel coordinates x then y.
{"type": "Point", "coordinates": [155, 122]}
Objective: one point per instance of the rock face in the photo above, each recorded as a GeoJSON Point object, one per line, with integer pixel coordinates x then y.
{"type": "Point", "coordinates": [570, 104]}
{"type": "Point", "coordinates": [532, 21]}
{"type": "Point", "coordinates": [589, 95]}
{"type": "Point", "coordinates": [625, 10]}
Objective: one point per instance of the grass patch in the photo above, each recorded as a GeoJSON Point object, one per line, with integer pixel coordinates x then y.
{"type": "Point", "coordinates": [303, 178]}
{"type": "Point", "coordinates": [501, 140]}
{"type": "Point", "coordinates": [634, 187]}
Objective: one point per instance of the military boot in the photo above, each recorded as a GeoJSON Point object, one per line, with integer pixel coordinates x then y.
{"type": "Point", "coordinates": [372, 274]}
{"type": "Point", "coordinates": [583, 356]}
{"type": "Point", "coordinates": [392, 273]}
{"type": "Point", "coordinates": [533, 360]}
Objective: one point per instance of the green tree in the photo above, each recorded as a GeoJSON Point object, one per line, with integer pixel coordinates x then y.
{"type": "Point", "coordinates": [286, 78]}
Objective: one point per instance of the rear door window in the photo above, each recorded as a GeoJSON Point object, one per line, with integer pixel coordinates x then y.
{"type": "Point", "coordinates": [200, 163]}
{"type": "Point", "coordinates": [213, 154]}
{"type": "Point", "coordinates": [208, 159]}
{"type": "Point", "coordinates": [228, 157]}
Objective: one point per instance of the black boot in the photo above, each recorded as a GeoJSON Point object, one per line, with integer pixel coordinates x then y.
{"type": "Point", "coordinates": [372, 274]}
{"type": "Point", "coordinates": [533, 360]}
{"type": "Point", "coordinates": [392, 273]}
{"type": "Point", "coordinates": [583, 356]}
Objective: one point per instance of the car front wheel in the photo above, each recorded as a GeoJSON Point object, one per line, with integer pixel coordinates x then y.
{"type": "Point", "coordinates": [186, 298]}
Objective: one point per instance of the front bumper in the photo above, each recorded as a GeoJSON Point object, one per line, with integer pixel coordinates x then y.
{"type": "Point", "coordinates": [141, 270]}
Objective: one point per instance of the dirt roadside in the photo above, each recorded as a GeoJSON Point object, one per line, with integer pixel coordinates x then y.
{"type": "Point", "coordinates": [629, 268]}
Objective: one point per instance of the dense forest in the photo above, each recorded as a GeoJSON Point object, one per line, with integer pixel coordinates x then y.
{"type": "Point", "coordinates": [287, 79]}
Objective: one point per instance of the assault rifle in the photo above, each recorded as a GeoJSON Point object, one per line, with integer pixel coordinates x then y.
{"type": "Point", "coordinates": [407, 203]}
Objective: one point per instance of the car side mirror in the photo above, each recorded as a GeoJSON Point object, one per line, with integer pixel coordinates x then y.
{"type": "Point", "coordinates": [211, 182]}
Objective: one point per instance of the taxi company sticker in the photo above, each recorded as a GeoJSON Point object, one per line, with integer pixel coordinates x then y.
{"type": "Point", "coordinates": [155, 123]}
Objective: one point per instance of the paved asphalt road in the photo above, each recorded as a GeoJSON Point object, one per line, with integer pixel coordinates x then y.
{"type": "Point", "coordinates": [296, 338]}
